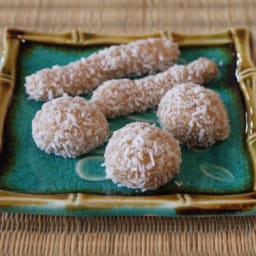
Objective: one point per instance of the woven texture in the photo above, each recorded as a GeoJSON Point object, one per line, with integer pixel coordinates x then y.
{"type": "Point", "coordinates": [45, 235]}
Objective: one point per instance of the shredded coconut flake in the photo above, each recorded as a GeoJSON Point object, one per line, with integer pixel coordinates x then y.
{"type": "Point", "coordinates": [136, 58]}
{"type": "Point", "coordinates": [121, 97]}
{"type": "Point", "coordinates": [196, 116]}
{"type": "Point", "coordinates": [146, 165]}
{"type": "Point", "coordinates": [69, 127]}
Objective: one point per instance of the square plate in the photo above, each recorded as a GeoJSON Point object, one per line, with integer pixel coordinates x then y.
{"type": "Point", "coordinates": [220, 180]}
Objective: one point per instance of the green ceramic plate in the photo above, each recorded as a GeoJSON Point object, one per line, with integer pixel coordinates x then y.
{"type": "Point", "coordinates": [219, 180]}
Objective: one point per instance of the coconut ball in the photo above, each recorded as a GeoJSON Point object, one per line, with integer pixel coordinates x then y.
{"type": "Point", "coordinates": [69, 127]}
{"type": "Point", "coordinates": [142, 156]}
{"type": "Point", "coordinates": [196, 116]}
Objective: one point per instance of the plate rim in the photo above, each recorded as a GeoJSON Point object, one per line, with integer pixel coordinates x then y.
{"type": "Point", "coordinates": [182, 203]}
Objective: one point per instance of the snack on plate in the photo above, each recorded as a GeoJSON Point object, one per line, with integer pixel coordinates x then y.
{"type": "Point", "coordinates": [121, 97]}
{"type": "Point", "coordinates": [142, 156]}
{"type": "Point", "coordinates": [69, 127]}
{"type": "Point", "coordinates": [133, 59]}
{"type": "Point", "coordinates": [194, 115]}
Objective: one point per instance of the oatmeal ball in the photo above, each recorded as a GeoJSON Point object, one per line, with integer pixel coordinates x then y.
{"type": "Point", "coordinates": [69, 127]}
{"type": "Point", "coordinates": [194, 115]}
{"type": "Point", "coordinates": [142, 156]}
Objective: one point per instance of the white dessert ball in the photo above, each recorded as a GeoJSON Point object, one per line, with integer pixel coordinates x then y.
{"type": "Point", "coordinates": [194, 115]}
{"type": "Point", "coordinates": [142, 156]}
{"type": "Point", "coordinates": [69, 127]}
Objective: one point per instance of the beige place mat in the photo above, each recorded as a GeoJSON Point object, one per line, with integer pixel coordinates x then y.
{"type": "Point", "coordinates": [45, 235]}
{"type": "Point", "coordinates": [48, 235]}
{"type": "Point", "coordinates": [127, 16]}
